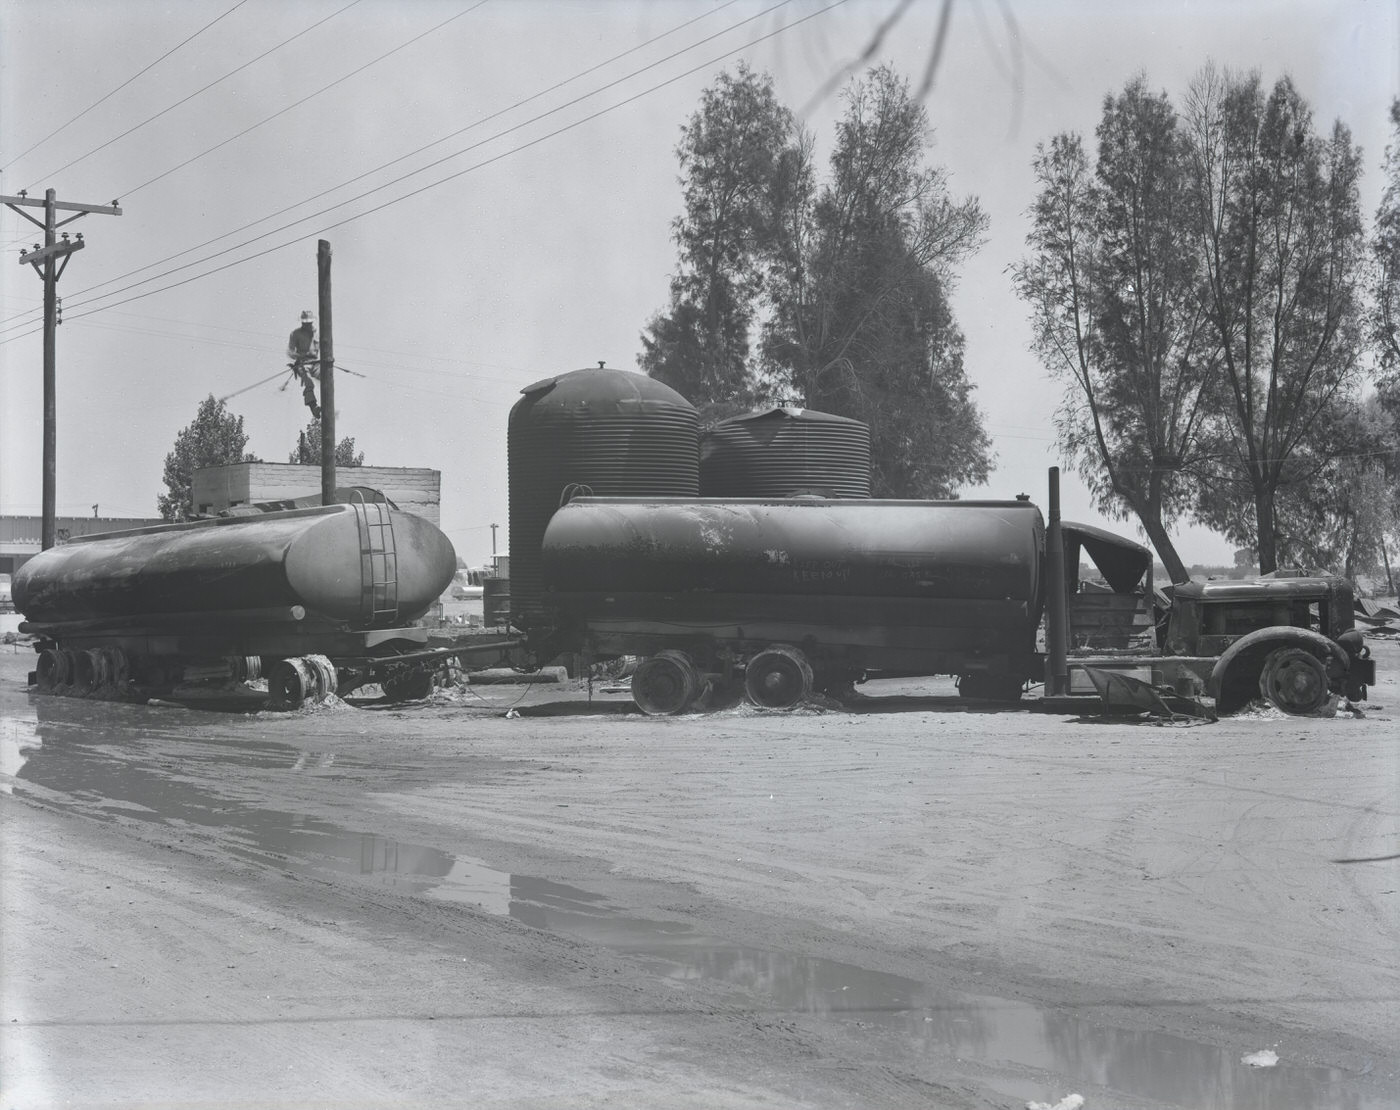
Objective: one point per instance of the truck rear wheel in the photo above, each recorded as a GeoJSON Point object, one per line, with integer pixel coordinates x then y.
{"type": "Point", "coordinates": [990, 686]}
{"type": "Point", "coordinates": [778, 678]}
{"type": "Point", "coordinates": [1294, 680]}
{"type": "Point", "coordinates": [89, 672]}
{"type": "Point", "coordinates": [290, 683]}
{"type": "Point", "coordinates": [665, 684]}
{"type": "Point", "coordinates": [51, 672]}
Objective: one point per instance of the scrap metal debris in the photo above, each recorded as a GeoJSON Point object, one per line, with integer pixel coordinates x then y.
{"type": "Point", "coordinates": [1124, 694]}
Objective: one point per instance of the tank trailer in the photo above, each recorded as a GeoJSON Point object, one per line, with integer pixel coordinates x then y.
{"type": "Point", "coordinates": [316, 600]}
{"type": "Point", "coordinates": [781, 597]}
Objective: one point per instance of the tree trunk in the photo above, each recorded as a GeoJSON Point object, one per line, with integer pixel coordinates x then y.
{"type": "Point", "coordinates": [1161, 541]}
{"type": "Point", "coordinates": [1268, 542]}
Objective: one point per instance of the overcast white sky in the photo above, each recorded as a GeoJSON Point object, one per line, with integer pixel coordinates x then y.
{"type": "Point", "coordinates": [533, 246]}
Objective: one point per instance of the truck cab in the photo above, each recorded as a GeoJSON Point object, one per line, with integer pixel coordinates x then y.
{"type": "Point", "coordinates": [1287, 637]}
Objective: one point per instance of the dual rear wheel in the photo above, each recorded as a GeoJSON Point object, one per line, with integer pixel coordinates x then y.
{"type": "Point", "coordinates": [669, 682]}
{"type": "Point", "coordinates": [82, 672]}
{"type": "Point", "coordinates": [291, 683]}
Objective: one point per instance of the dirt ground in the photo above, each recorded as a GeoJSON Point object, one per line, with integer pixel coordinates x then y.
{"type": "Point", "coordinates": [513, 896]}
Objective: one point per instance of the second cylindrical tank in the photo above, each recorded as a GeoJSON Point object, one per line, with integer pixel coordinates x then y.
{"type": "Point", "coordinates": [784, 452]}
{"type": "Point", "coordinates": [960, 550]}
{"type": "Point", "coordinates": [929, 587]}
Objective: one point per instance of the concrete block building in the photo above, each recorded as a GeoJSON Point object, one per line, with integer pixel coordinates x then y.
{"type": "Point", "coordinates": [416, 490]}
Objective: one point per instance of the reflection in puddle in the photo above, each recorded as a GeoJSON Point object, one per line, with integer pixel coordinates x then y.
{"type": "Point", "coordinates": [69, 752]}
{"type": "Point", "coordinates": [19, 737]}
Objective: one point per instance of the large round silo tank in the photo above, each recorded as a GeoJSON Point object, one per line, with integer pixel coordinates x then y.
{"type": "Point", "coordinates": [612, 433]}
{"type": "Point", "coordinates": [784, 452]}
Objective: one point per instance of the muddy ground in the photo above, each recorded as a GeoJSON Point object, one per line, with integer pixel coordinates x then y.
{"type": "Point", "coordinates": [916, 905]}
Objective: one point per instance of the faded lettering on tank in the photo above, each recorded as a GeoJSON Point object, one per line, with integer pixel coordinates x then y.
{"type": "Point", "coordinates": [820, 570]}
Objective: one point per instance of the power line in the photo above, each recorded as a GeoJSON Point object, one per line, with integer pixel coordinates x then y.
{"type": "Point", "coordinates": [246, 388]}
{"type": "Point", "coordinates": [429, 146]}
{"type": "Point", "coordinates": [298, 103]}
{"type": "Point", "coordinates": [261, 344]}
{"type": "Point", "coordinates": [398, 367]}
{"type": "Point", "coordinates": [451, 177]}
{"type": "Point", "coordinates": [196, 93]}
{"type": "Point", "coordinates": [124, 84]}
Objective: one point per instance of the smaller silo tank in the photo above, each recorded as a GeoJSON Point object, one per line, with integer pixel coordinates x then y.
{"type": "Point", "coordinates": [786, 452]}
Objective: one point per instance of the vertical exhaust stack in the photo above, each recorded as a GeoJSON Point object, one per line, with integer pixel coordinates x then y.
{"type": "Point", "coordinates": [1056, 624]}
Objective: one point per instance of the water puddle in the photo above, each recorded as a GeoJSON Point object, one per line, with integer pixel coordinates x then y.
{"type": "Point", "coordinates": [67, 757]}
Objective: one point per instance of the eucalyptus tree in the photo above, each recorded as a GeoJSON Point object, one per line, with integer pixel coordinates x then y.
{"type": "Point", "coordinates": [858, 319]}
{"type": "Point", "coordinates": [1111, 283]}
{"type": "Point", "coordinates": [1279, 238]}
{"type": "Point", "coordinates": [731, 153]}
{"type": "Point", "coordinates": [1385, 258]}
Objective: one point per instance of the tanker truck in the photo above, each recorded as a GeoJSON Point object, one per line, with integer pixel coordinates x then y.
{"type": "Point", "coordinates": [781, 597]}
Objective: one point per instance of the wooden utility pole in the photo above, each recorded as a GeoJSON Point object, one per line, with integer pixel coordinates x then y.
{"type": "Point", "coordinates": [1056, 631]}
{"type": "Point", "coordinates": [43, 259]}
{"type": "Point", "coordinates": [323, 286]}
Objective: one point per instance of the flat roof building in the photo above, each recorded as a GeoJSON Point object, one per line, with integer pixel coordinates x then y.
{"type": "Point", "coordinates": [20, 536]}
{"type": "Point", "coordinates": [416, 490]}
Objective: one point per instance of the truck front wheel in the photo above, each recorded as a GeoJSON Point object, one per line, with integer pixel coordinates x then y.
{"type": "Point", "coordinates": [1294, 680]}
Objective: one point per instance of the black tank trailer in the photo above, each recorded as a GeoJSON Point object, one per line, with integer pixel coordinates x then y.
{"type": "Point", "coordinates": [805, 593]}
{"type": "Point", "coordinates": [318, 600]}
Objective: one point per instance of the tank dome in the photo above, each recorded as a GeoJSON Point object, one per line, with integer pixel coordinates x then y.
{"type": "Point", "coordinates": [611, 433]}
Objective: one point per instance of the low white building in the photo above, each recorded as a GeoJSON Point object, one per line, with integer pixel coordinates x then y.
{"type": "Point", "coordinates": [416, 490]}
{"type": "Point", "coordinates": [20, 535]}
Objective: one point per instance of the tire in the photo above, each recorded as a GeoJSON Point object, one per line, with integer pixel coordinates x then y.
{"type": "Point", "coordinates": [89, 672]}
{"type": "Point", "coordinates": [990, 686]}
{"type": "Point", "coordinates": [51, 671]}
{"type": "Point", "coordinates": [289, 683]}
{"type": "Point", "coordinates": [778, 678]}
{"type": "Point", "coordinates": [1294, 680]}
{"type": "Point", "coordinates": [410, 686]}
{"type": "Point", "coordinates": [664, 684]}
{"type": "Point", "coordinates": [117, 670]}
{"type": "Point", "coordinates": [323, 674]}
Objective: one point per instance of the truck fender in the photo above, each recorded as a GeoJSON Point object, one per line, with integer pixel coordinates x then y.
{"type": "Point", "coordinates": [1250, 651]}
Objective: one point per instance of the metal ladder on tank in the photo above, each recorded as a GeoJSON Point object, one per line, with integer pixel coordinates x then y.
{"type": "Point", "coordinates": [379, 570]}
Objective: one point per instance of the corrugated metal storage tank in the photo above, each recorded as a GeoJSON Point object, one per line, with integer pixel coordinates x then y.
{"type": "Point", "coordinates": [783, 452]}
{"type": "Point", "coordinates": [613, 433]}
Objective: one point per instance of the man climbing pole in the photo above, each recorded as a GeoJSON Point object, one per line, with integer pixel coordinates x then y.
{"type": "Point", "coordinates": [304, 352]}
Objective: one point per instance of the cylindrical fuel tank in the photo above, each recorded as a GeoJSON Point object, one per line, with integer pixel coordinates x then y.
{"type": "Point", "coordinates": [784, 452]}
{"type": "Point", "coordinates": [956, 550]}
{"type": "Point", "coordinates": [608, 432]}
{"type": "Point", "coordinates": [336, 561]}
